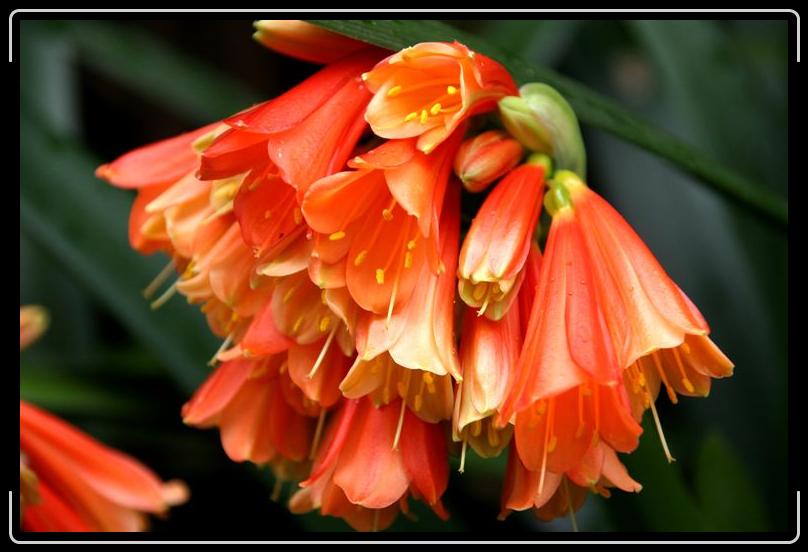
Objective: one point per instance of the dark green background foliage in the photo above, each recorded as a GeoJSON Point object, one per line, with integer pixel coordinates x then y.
{"type": "Point", "coordinates": [91, 90]}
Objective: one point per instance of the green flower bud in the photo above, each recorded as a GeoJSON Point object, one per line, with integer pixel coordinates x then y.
{"type": "Point", "coordinates": [542, 120]}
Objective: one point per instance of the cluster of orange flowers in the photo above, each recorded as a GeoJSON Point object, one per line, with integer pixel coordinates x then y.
{"type": "Point", "coordinates": [321, 233]}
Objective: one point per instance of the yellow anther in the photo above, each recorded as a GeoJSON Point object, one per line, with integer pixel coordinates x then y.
{"type": "Point", "coordinates": [552, 445]}
{"type": "Point", "coordinates": [411, 245]}
{"type": "Point", "coordinates": [267, 214]}
{"type": "Point", "coordinates": [419, 402]}
{"type": "Point", "coordinates": [323, 297]}
{"type": "Point", "coordinates": [325, 323]}
{"type": "Point", "coordinates": [365, 76]}
{"type": "Point", "coordinates": [411, 117]}
{"type": "Point", "coordinates": [429, 379]}
{"type": "Point", "coordinates": [394, 91]}
{"type": "Point", "coordinates": [387, 214]}
{"type": "Point", "coordinates": [298, 215]}
{"type": "Point", "coordinates": [379, 276]}
{"type": "Point", "coordinates": [688, 385]}
{"type": "Point", "coordinates": [288, 294]}
{"type": "Point", "coordinates": [337, 236]}
{"type": "Point", "coordinates": [479, 291]}
{"type": "Point", "coordinates": [451, 90]}
{"type": "Point", "coordinates": [408, 260]}
{"type": "Point", "coordinates": [298, 323]}
{"type": "Point", "coordinates": [424, 116]}
{"type": "Point", "coordinates": [476, 428]}
{"type": "Point", "coordinates": [685, 348]}
{"type": "Point", "coordinates": [435, 109]}
{"type": "Point", "coordinates": [360, 258]}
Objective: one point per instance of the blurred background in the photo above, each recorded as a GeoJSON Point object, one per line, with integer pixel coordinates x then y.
{"type": "Point", "coordinates": [92, 90]}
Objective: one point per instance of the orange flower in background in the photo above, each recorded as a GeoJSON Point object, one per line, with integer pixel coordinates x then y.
{"type": "Point", "coordinates": [497, 244]}
{"type": "Point", "coordinates": [33, 323]}
{"type": "Point", "coordinates": [427, 90]}
{"type": "Point", "coordinates": [83, 485]}
{"type": "Point", "coordinates": [305, 41]}
{"type": "Point", "coordinates": [71, 482]}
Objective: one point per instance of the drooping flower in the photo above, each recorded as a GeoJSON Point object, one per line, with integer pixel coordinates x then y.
{"type": "Point", "coordinates": [485, 158]}
{"type": "Point", "coordinates": [427, 90]}
{"type": "Point", "coordinates": [374, 458]}
{"type": "Point", "coordinates": [302, 40]}
{"type": "Point", "coordinates": [496, 247]}
{"type": "Point", "coordinates": [306, 133]}
{"type": "Point", "coordinates": [552, 495]}
{"type": "Point", "coordinates": [72, 482]}
{"type": "Point", "coordinates": [83, 485]}
{"type": "Point", "coordinates": [411, 353]}
{"type": "Point", "coordinates": [382, 219]}
{"type": "Point", "coordinates": [258, 418]}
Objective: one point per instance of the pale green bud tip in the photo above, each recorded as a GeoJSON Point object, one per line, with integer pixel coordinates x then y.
{"type": "Point", "coordinates": [543, 121]}
{"type": "Point", "coordinates": [567, 179]}
{"type": "Point", "coordinates": [543, 160]}
{"type": "Point", "coordinates": [523, 124]}
{"type": "Point", "coordinates": [556, 199]}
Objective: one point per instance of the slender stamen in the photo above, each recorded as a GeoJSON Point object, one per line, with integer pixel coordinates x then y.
{"type": "Point", "coordinates": [276, 490]}
{"type": "Point", "coordinates": [570, 508]}
{"type": "Point", "coordinates": [376, 521]}
{"type": "Point", "coordinates": [547, 428]}
{"type": "Point", "coordinates": [400, 425]}
{"type": "Point", "coordinates": [159, 280]}
{"type": "Point", "coordinates": [661, 434]}
{"type": "Point", "coordinates": [317, 434]}
{"type": "Point", "coordinates": [484, 307]}
{"type": "Point", "coordinates": [463, 457]}
{"type": "Point", "coordinates": [167, 294]}
{"type": "Point", "coordinates": [393, 295]}
{"type": "Point", "coordinates": [225, 344]}
{"type": "Point", "coordinates": [323, 351]}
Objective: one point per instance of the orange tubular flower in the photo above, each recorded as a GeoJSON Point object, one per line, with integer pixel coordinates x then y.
{"type": "Point", "coordinates": [307, 133]}
{"type": "Point", "coordinates": [485, 158]}
{"type": "Point", "coordinates": [359, 464]}
{"type": "Point", "coordinates": [497, 244]}
{"type": "Point", "coordinates": [382, 220]}
{"type": "Point", "coordinates": [84, 485]}
{"type": "Point", "coordinates": [427, 90]}
{"type": "Point", "coordinates": [305, 41]}
{"type": "Point", "coordinates": [257, 418]}
{"type": "Point", "coordinates": [411, 353]}
{"type": "Point", "coordinates": [488, 353]}
{"type": "Point", "coordinates": [71, 482]}
{"type": "Point", "coordinates": [565, 493]}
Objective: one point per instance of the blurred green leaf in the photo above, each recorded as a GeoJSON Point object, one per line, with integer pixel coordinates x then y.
{"type": "Point", "coordinates": [538, 41]}
{"type": "Point", "coordinates": [665, 501]}
{"type": "Point", "coordinates": [72, 395]}
{"type": "Point", "coordinates": [728, 497]}
{"type": "Point", "coordinates": [591, 107]}
{"type": "Point", "coordinates": [706, 78]}
{"type": "Point", "coordinates": [143, 62]}
{"type": "Point", "coordinates": [81, 222]}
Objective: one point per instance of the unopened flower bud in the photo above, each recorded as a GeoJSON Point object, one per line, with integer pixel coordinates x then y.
{"type": "Point", "coordinates": [542, 120]}
{"type": "Point", "coordinates": [485, 158]}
